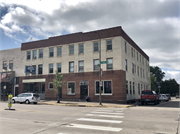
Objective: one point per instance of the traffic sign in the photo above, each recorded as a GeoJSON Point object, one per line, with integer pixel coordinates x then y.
{"type": "Point", "coordinates": [104, 62]}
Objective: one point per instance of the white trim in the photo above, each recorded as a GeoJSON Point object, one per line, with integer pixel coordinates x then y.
{"type": "Point", "coordinates": [33, 80]}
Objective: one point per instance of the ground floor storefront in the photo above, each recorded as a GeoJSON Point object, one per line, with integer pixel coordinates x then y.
{"type": "Point", "coordinates": [78, 86]}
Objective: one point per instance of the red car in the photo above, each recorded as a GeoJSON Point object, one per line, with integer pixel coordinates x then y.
{"type": "Point", "coordinates": [148, 96]}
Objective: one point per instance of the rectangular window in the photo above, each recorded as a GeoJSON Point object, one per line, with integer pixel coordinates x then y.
{"type": "Point", "coordinates": [132, 68]}
{"type": "Point", "coordinates": [130, 87]}
{"type": "Point", "coordinates": [34, 66]}
{"type": "Point", "coordinates": [138, 88]}
{"type": "Point", "coordinates": [141, 72]}
{"type": "Point", "coordinates": [71, 88]}
{"type": "Point", "coordinates": [34, 54]}
{"type": "Point", "coordinates": [40, 69]}
{"type": "Point", "coordinates": [11, 66]}
{"type": "Point", "coordinates": [59, 51]}
{"type": "Point", "coordinates": [134, 53]}
{"type": "Point", "coordinates": [59, 67]}
{"type": "Point", "coordinates": [96, 46]}
{"type": "Point", "coordinates": [138, 70]}
{"type": "Point", "coordinates": [71, 50]}
{"type": "Point", "coordinates": [81, 66]}
{"type": "Point", "coordinates": [71, 67]}
{"type": "Point", "coordinates": [28, 55]}
{"type": "Point", "coordinates": [109, 44]}
{"type": "Point", "coordinates": [125, 46]}
{"type": "Point", "coordinates": [50, 85]}
{"type": "Point", "coordinates": [50, 68]}
{"type": "Point", "coordinates": [140, 58]}
{"type": "Point", "coordinates": [137, 56]}
{"type": "Point", "coordinates": [133, 88]}
{"type": "Point", "coordinates": [81, 48]}
{"type": "Point", "coordinates": [126, 87]}
{"type": "Point", "coordinates": [51, 52]}
{"type": "Point", "coordinates": [141, 87]}
{"type": "Point", "coordinates": [40, 53]}
{"type": "Point", "coordinates": [126, 65]}
{"type": "Point", "coordinates": [110, 63]}
{"type": "Point", "coordinates": [131, 51]}
{"type": "Point", "coordinates": [143, 60]}
{"type": "Point", "coordinates": [4, 65]}
{"type": "Point", "coordinates": [96, 65]}
{"type": "Point", "coordinates": [106, 87]}
{"type": "Point", "coordinates": [17, 80]}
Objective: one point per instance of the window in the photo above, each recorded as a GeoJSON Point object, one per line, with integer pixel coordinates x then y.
{"type": "Point", "coordinates": [40, 69]}
{"type": "Point", "coordinates": [81, 66]}
{"type": "Point", "coordinates": [110, 63]}
{"type": "Point", "coordinates": [11, 66]}
{"type": "Point", "coordinates": [126, 65]}
{"type": "Point", "coordinates": [81, 48]}
{"type": "Point", "coordinates": [50, 85]}
{"type": "Point", "coordinates": [137, 56]}
{"type": "Point", "coordinates": [96, 65]}
{"type": "Point", "coordinates": [71, 88]}
{"type": "Point", "coordinates": [131, 51]}
{"type": "Point", "coordinates": [126, 87]}
{"type": "Point", "coordinates": [143, 73]}
{"type": "Point", "coordinates": [138, 70]}
{"type": "Point", "coordinates": [41, 53]}
{"type": "Point", "coordinates": [34, 67]}
{"type": "Point", "coordinates": [59, 67]}
{"type": "Point", "coordinates": [71, 50]}
{"type": "Point", "coordinates": [50, 68]}
{"type": "Point", "coordinates": [106, 87]}
{"type": "Point", "coordinates": [132, 68]}
{"type": "Point", "coordinates": [143, 60]}
{"type": "Point", "coordinates": [28, 55]}
{"type": "Point", "coordinates": [134, 53]}
{"type": "Point", "coordinates": [138, 88]}
{"type": "Point", "coordinates": [140, 58]}
{"type": "Point", "coordinates": [4, 65]}
{"type": "Point", "coordinates": [51, 52]}
{"type": "Point", "coordinates": [133, 89]}
{"type": "Point", "coordinates": [34, 54]}
{"type": "Point", "coordinates": [109, 44]}
{"type": "Point", "coordinates": [141, 87]}
{"type": "Point", "coordinates": [125, 46]}
{"type": "Point", "coordinates": [130, 87]}
{"type": "Point", "coordinates": [59, 51]}
{"type": "Point", "coordinates": [17, 80]}
{"type": "Point", "coordinates": [96, 46]}
{"type": "Point", "coordinates": [71, 67]}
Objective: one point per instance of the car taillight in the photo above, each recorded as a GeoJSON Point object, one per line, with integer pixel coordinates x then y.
{"type": "Point", "coordinates": [32, 98]}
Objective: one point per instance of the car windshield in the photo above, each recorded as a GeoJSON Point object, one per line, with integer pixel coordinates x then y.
{"type": "Point", "coordinates": [147, 93]}
{"type": "Point", "coordinates": [36, 95]}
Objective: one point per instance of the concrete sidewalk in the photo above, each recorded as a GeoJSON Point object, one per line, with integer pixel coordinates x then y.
{"type": "Point", "coordinates": [84, 104]}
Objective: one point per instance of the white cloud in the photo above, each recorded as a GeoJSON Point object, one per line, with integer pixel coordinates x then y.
{"type": "Point", "coordinates": [173, 75]}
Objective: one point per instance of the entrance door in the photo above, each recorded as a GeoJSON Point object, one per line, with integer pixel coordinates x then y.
{"type": "Point", "coordinates": [83, 91]}
{"type": "Point", "coordinates": [16, 91]}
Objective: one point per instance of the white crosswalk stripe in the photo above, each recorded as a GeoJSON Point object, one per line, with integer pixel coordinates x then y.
{"type": "Point", "coordinates": [99, 120]}
{"type": "Point", "coordinates": [107, 113]}
{"type": "Point", "coordinates": [95, 127]}
{"type": "Point", "coordinates": [112, 116]}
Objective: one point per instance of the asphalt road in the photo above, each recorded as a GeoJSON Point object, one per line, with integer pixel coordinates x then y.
{"type": "Point", "coordinates": [52, 119]}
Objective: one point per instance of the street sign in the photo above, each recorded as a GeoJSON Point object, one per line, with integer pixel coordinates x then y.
{"type": "Point", "coordinates": [4, 87]}
{"type": "Point", "coordinates": [104, 62]}
{"type": "Point", "coordinates": [100, 83]}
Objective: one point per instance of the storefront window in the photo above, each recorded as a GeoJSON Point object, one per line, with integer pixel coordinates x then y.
{"type": "Point", "coordinates": [71, 88]}
{"type": "Point", "coordinates": [106, 87]}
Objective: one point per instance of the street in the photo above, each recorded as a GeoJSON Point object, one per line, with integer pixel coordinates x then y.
{"type": "Point", "coordinates": [53, 119]}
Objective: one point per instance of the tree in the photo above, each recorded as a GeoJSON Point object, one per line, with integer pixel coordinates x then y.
{"type": "Point", "coordinates": [58, 85]}
{"type": "Point", "coordinates": [153, 83]}
{"type": "Point", "coordinates": [157, 73]}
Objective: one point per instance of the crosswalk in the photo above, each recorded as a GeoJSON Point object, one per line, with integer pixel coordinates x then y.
{"type": "Point", "coordinates": [94, 120]}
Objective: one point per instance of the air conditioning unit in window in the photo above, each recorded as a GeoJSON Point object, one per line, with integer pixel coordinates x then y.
{"type": "Point", "coordinates": [82, 83]}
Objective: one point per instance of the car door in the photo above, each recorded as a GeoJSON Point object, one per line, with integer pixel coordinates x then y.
{"type": "Point", "coordinates": [18, 99]}
{"type": "Point", "coordinates": [23, 98]}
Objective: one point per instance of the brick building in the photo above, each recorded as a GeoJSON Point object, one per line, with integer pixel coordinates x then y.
{"type": "Point", "coordinates": [76, 56]}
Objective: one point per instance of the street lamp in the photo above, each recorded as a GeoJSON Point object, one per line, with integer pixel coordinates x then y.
{"type": "Point", "coordinates": [99, 67]}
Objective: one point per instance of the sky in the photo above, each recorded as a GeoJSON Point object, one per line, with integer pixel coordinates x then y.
{"type": "Point", "coordinates": [152, 24]}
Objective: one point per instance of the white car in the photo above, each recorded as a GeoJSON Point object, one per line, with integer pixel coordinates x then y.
{"type": "Point", "coordinates": [27, 98]}
{"type": "Point", "coordinates": [163, 97]}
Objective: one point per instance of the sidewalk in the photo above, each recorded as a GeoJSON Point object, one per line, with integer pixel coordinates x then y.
{"type": "Point", "coordinates": [84, 104]}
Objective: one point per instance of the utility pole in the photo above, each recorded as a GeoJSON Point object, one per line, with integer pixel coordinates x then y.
{"type": "Point", "coordinates": [99, 67]}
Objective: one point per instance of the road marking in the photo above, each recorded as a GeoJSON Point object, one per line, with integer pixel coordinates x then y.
{"type": "Point", "coordinates": [98, 120]}
{"type": "Point", "coordinates": [95, 127]}
{"type": "Point", "coordinates": [9, 119]}
{"type": "Point", "coordinates": [105, 115]}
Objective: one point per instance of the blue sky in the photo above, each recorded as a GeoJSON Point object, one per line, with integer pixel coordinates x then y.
{"type": "Point", "coordinates": [152, 24]}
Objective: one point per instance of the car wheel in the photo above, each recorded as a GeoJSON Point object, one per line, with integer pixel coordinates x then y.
{"type": "Point", "coordinates": [13, 101]}
{"type": "Point", "coordinates": [34, 102]}
{"type": "Point", "coordinates": [27, 101]}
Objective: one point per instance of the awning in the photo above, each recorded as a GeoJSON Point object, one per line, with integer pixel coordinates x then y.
{"type": "Point", "coordinates": [33, 80]}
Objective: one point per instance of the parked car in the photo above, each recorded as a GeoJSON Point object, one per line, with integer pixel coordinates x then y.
{"type": "Point", "coordinates": [148, 96]}
{"type": "Point", "coordinates": [163, 97]}
{"type": "Point", "coordinates": [168, 96]}
{"type": "Point", "coordinates": [177, 96]}
{"type": "Point", "coordinates": [27, 98]}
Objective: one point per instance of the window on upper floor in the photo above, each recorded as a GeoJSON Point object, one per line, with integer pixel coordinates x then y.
{"type": "Point", "coordinates": [34, 54]}
{"type": "Point", "coordinates": [50, 68]}
{"type": "Point", "coordinates": [59, 67]}
{"type": "Point", "coordinates": [133, 88]}
{"type": "Point", "coordinates": [81, 66]}
{"type": "Point", "coordinates": [11, 66]}
{"type": "Point", "coordinates": [71, 50]}
{"type": "Point", "coordinates": [81, 48]}
{"type": "Point", "coordinates": [40, 53]}
{"type": "Point", "coordinates": [138, 88]}
{"type": "Point", "coordinates": [131, 51]}
{"type": "Point", "coordinates": [140, 58]}
{"type": "Point", "coordinates": [143, 60]}
{"type": "Point", "coordinates": [51, 52]}
{"type": "Point", "coordinates": [130, 87]}
{"type": "Point", "coordinates": [110, 63]}
{"type": "Point", "coordinates": [109, 44]}
{"type": "Point", "coordinates": [125, 46]}
{"type": "Point", "coordinates": [134, 53]}
{"type": "Point", "coordinates": [137, 56]}
{"type": "Point", "coordinates": [96, 64]}
{"type": "Point", "coordinates": [138, 70]}
{"type": "Point", "coordinates": [126, 65]}
{"type": "Point", "coordinates": [71, 66]}
{"type": "Point", "coordinates": [4, 65]}
{"type": "Point", "coordinates": [59, 51]}
{"type": "Point", "coordinates": [28, 55]}
{"type": "Point", "coordinates": [126, 87]}
{"type": "Point", "coordinates": [40, 69]}
{"type": "Point", "coordinates": [132, 68]}
{"type": "Point", "coordinates": [96, 46]}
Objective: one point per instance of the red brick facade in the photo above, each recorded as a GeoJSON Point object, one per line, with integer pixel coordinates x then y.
{"type": "Point", "coordinates": [118, 78]}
